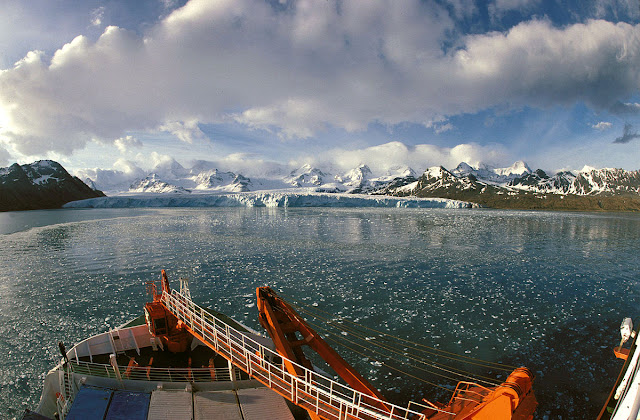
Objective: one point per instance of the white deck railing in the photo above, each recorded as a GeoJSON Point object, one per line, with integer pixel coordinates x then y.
{"type": "Point", "coordinates": [312, 391]}
{"type": "Point", "coordinates": [148, 373]}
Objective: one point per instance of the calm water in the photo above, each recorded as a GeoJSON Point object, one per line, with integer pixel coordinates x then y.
{"type": "Point", "coordinates": [547, 290]}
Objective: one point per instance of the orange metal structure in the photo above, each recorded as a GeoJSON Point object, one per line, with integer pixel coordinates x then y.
{"type": "Point", "coordinates": [162, 323]}
{"type": "Point", "coordinates": [284, 324]}
{"type": "Point", "coordinates": [513, 399]}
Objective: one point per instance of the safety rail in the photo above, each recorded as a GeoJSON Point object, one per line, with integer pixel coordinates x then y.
{"type": "Point", "coordinates": [312, 391]}
{"type": "Point", "coordinates": [148, 373]}
{"type": "Point", "coordinates": [477, 392]}
{"type": "Point", "coordinates": [64, 399]}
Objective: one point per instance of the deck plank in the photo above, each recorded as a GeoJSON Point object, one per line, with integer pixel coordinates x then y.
{"type": "Point", "coordinates": [171, 405]}
{"type": "Point", "coordinates": [221, 405]}
{"type": "Point", "coordinates": [263, 403]}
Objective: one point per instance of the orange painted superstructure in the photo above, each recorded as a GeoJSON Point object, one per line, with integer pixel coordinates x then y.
{"type": "Point", "coordinates": [162, 323]}
{"type": "Point", "coordinates": [513, 399]}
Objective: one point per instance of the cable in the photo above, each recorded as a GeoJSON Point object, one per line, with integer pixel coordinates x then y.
{"type": "Point", "coordinates": [407, 356]}
{"type": "Point", "coordinates": [451, 355]}
{"type": "Point", "coordinates": [447, 368]}
{"type": "Point", "coordinates": [389, 366]}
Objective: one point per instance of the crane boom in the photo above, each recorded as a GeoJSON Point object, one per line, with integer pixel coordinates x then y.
{"type": "Point", "coordinates": [284, 324]}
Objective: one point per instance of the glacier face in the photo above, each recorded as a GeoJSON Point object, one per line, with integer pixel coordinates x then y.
{"type": "Point", "coordinates": [204, 178]}
{"type": "Point", "coordinates": [266, 199]}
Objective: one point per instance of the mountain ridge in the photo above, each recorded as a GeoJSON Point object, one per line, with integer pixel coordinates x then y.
{"type": "Point", "coordinates": [594, 189]}
{"type": "Point", "coordinates": [515, 186]}
{"type": "Point", "coordinates": [44, 184]}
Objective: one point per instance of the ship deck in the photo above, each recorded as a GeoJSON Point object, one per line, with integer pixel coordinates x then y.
{"type": "Point", "coordinates": [200, 357]}
{"type": "Point", "coordinates": [202, 383]}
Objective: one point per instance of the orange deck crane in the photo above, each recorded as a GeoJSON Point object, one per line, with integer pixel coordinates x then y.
{"type": "Point", "coordinates": [284, 324]}
{"type": "Point", "coordinates": [513, 399]}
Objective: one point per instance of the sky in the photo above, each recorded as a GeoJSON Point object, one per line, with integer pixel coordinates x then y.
{"type": "Point", "coordinates": [264, 86]}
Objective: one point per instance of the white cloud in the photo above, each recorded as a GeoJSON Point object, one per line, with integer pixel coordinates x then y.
{"type": "Point", "coordinates": [116, 179]}
{"type": "Point", "coordinates": [617, 8]}
{"type": "Point", "coordinates": [125, 144]}
{"type": "Point", "coordinates": [127, 167]}
{"type": "Point", "coordinates": [383, 157]}
{"type": "Point", "coordinates": [186, 131]}
{"type": "Point", "coordinates": [157, 159]}
{"type": "Point", "coordinates": [439, 129]}
{"type": "Point", "coordinates": [626, 108]}
{"type": "Point", "coordinates": [298, 72]}
{"type": "Point", "coordinates": [501, 6]}
{"type": "Point", "coordinates": [249, 165]}
{"type": "Point", "coordinates": [292, 119]}
{"type": "Point", "coordinates": [4, 157]}
{"type": "Point", "coordinates": [97, 15]}
{"type": "Point", "coordinates": [602, 125]}
{"type": "Point", "coordinates": [463, 9]}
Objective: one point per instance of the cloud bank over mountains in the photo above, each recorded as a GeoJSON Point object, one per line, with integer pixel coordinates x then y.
{"type": "Point", "coordinates": [383, 157]}
{"type": "Point", "coordinates": [304, 68]}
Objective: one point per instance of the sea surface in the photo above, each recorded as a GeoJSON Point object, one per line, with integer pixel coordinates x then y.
{"type": "Point", "coordinates": [544, 290]}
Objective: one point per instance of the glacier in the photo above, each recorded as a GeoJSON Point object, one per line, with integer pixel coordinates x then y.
{"type": "Point", "coordinates": [266, 199]}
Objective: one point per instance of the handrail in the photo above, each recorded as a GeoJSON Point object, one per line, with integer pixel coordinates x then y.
{"type": "Point", "coordinates": [310, 390]}
{"type": "Point", "coordinates": [149, 373]}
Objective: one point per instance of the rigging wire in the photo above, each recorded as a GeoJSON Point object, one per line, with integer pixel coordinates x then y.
{"type": "Point", "coordinates": [446, 368]}
{"type": "Point", "coordinates": [442, 366]}
{"type": "Point", "coordinates": [412, 344]}
{"type": "Point", "coordinates": [389, 366]}
{"type": "Point", "coordinates": [460, 375]}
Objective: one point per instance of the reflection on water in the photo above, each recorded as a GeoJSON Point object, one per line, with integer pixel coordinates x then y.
{"type": "Point", "coordinates": [546, 290]}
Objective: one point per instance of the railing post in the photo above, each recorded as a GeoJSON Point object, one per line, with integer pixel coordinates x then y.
{"type": "Point", "coordinates": [330, 392]}
{"type": "Point", "coordinates": [294, 394]}
{"type": "Point", "coordinates": [202, 321]}
{"type": "Point", "coordinates": [231, 368]}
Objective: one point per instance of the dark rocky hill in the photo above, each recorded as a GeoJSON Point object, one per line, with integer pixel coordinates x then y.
{"type": "Point", "coordinates": [44, 184]}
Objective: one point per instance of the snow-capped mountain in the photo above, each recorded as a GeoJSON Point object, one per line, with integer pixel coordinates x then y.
{"type": "Point", "coordinates": [221, 181]}
{"type": "Point", "coordinates": [519, 168]}
{"type": "Point", "coordinates": [483, 184]}
{"type": "Point", "coordinates": [589, 181]}
{"type": "Point", "coordinates": [606, 181]}
{"type": "Point", "coordinates": [438, 177]}
{"type": "Point", "coordinates": [153, 184]}
{"type": "Point", "coordinates": [590, 189]}
{"type": "Point", "coordinates": [397, 172]}
{"type": "Point", "coordinates": [170, 169]}
{"type": "Point", "coordinates": [437, 180]}
{"type": "Point", "coordinates": [361, 179]}
{"type": "Point", "coordinates": [356, 178]}
{"type": "Point", "coordinates": [306, 176]}
{"type": "Point", "coordinates": [498, 176]}
{"type": "Point", "coordinates": [539, 181]}
{"type": "Point", "coordinates": [44, 184]}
